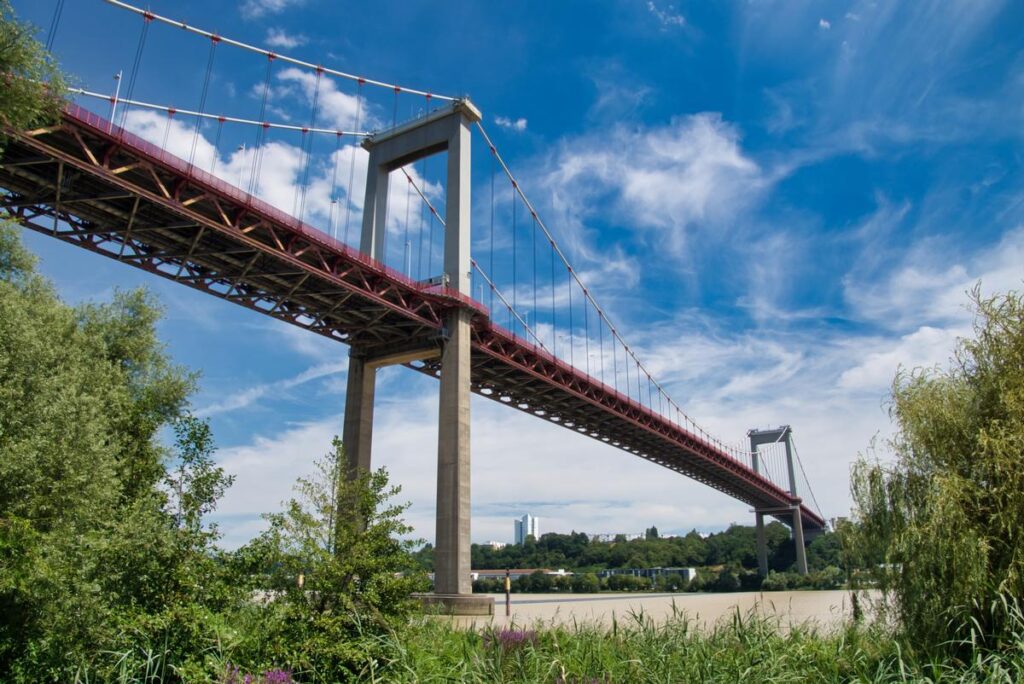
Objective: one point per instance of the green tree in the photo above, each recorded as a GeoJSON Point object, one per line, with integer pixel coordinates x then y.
{"type": "Point", "coordinates": [31, 85]}
{"type": "Point", "coordinates": [586, 583]}
{"type": "Point", "coordinates": [946, 515]}
{"type": "Point", "coordinates": [335, 560]}
{"type": "Point", "coordinates": [89, 551]}
{"type": "Point", "coordinates": [775, 581]}
{"type": "Point", "coordinates": [540, 582]}
{"type": "Point", "coordinates": [825, 551]}
{"type": "Point", "coordinates": [727, 580]}
{"type": "Point", "coordinates": [194, 481]}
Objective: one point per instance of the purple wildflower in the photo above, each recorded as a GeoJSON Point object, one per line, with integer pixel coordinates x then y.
{"type": "Point", "coordinates": [277, 676]}
{"type": "Point", "coordinates": [510, 639]}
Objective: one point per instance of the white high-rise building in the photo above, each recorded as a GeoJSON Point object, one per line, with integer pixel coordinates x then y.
{"type": "Point", "coordinates": [527, 526]}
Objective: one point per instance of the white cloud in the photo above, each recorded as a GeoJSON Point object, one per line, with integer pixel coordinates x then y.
{"type": "Point", "coordinates": [520, 464]}
{"type": "Point", "coordinates": [254, 9]}
{"type": "Point", "coordinates": [279, 38]}
{"type": "Point", "coordinates": [869, 90]}
{"type": "Point", "coordinates": [249, 396]}
{"type": "Point", "coordinates": [176, 134]}
{"type": "Point", "coordinates": [338, 109]}
{"type": "Point", "coordinates": [518, 125]}
{"type": "Point", "coordinates": [929, 286]}
{"type": "Point", "coordinates": [672, 179]}
{"type": "Point", "coordinates": [667, 17]}
{"type": "Point", "coordinates": [831, 387]}
{"type": "Point", "coordinates": [315, 185]}
{"type": "Point", "coordinates": [925, 347]}
{"type": "Point", "coordinates": [279, 166]}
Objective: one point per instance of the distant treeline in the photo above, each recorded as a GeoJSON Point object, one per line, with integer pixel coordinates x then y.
{"type": "Point", "coordinates": [724, 578]}
{"type": "Point", "coordinates": [735, 547]}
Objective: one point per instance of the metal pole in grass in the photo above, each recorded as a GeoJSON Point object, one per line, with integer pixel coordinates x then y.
{"type": "Point", "coordinates": [508, 593]}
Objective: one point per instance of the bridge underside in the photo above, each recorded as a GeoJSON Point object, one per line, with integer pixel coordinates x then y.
{"type": "Point", "coordinates": [118, 196]}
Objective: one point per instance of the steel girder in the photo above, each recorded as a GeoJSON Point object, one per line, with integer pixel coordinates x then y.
{"type": "Point", "coordinates": [107, 191]}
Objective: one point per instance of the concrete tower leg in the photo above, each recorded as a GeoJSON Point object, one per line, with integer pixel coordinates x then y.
{"type": "Point", "coordinates": [357, 432]}
{"type": "Point", "coordinates": [798, 541]}
{"type": "Point", "coordinates": [452, 558]}
{"type": "Point", "coordinates": [453, 585]}
{"type": "Point", "coordinates": [762, 547]}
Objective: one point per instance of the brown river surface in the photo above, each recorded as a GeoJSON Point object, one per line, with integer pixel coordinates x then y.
{"type": "Point", "coordinates": [823, 609]}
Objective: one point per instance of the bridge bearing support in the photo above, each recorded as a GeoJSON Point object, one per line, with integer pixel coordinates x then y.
{"type": "Point", "coordinates": [448, 130]}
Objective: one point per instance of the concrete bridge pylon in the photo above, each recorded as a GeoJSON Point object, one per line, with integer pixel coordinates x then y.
{"type": "Point", "coordinates": [445, 130]}
{"type": "Point", "coordinates": [782, 434]}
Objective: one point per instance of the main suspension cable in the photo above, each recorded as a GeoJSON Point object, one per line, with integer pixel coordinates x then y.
{"type": "Point", "coordinates": [807, 481]}
{"type": "Point", "coordinates": [217, 117]}
{"type": "Point", "coordinates": [150, 16]}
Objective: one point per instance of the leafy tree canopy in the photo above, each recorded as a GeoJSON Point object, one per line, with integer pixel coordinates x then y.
{"type": "Point", "coordinates": [941, 522]}
{"type": "Point", "coordinates": [31, 85]}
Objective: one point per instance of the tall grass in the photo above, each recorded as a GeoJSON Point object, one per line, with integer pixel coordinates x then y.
{"type": "Point", "coordinates": [744, 648]}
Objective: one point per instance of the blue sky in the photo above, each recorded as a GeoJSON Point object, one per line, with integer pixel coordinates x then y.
{"type": "Point", "coordinates": [778, 203]}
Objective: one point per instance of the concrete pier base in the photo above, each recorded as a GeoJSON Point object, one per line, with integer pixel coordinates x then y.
{"type": "Point", "coordinates": [457, 604]}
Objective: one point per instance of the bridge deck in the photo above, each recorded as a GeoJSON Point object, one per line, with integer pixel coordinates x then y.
{"type": "Point", "coordinates": [103, 189]}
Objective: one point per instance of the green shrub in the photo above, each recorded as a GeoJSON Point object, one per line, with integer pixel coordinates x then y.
{"type": "Point", "coordinates": [334, 573]}
{"type": "Point", "coordinates": [943, 524]}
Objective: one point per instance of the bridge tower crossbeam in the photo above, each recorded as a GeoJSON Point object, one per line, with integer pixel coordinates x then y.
{"type": "Point", "coordinates": [448, 130]}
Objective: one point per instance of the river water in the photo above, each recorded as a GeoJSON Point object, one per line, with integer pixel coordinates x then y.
{"type": "Point", "coordinates": [825, 609]}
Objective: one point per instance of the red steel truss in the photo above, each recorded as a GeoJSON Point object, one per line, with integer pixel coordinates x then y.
{"type": "Point", "coordinates": [98, 187]}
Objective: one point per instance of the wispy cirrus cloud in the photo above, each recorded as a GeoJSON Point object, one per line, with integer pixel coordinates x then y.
{"type": "Point", "coordinates": [878, 84]}
{"type": "Point", "coordinates": [668, 16]}
{"type": "Point", "coordinates": [245, 398]}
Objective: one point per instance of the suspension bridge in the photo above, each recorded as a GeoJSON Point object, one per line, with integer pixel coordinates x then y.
{"type": "Point", "coordinates": [356, 248]}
